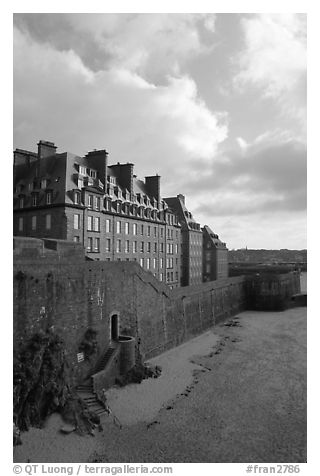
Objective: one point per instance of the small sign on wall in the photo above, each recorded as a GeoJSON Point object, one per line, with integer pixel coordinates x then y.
{"type": "Point", "coordinates": [80, 357]}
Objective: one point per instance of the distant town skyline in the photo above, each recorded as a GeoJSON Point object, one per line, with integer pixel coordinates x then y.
{"type": "Point", "coordinates": [214, 103]}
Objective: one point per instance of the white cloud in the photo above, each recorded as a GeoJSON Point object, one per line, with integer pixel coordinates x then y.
{"type": "Point", "coordinates": [150, 44]}
{"type": "Point", "coordinates": [275, 51]}
{"type": "Point", "coordinates": [274, 59]}
{"type": "Point", "coordinates": [160, 128]}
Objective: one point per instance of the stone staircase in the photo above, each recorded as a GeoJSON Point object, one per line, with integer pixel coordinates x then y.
{"type": "Point", "coordinates": [86, 393]}
{"type": "Point", "coordinates": [104, 360]}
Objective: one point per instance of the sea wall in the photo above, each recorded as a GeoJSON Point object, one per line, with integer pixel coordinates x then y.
{"type": "Point", "coordinates": [73, 296]}
{"type": "Point", "coordinates": [271, 292]}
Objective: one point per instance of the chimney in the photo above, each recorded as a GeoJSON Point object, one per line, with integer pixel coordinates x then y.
{"type": "Point", "coordinates": [124, 173]}
{"type": "Point", "coordinates": [181, 198]}
{"type": "Point", "coordinates": [153, 186]}
{"type": "Point", "coordinates": [98, 160]}
{"type": "Point", "coordinates": [45, 149]}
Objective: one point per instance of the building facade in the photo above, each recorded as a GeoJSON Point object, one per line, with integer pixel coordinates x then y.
{"type": "Point", "coordinates": [105, 207]}
{"type": "Point", "coordinates": [191, 242]}
{"type": "Point", "coordinates": [215, 256]}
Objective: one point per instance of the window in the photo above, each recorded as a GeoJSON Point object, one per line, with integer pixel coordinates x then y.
{"type": "Point", "coordinates": [142, 247]}
{"type": "Point", "coordinates": [127, 246]}
{"type": "Point", "coordinates": [161, 232]}
{"type": "Point", "coordinates": [21, 202]}
{"type": "Point", "coordinates": [155, 247]}
{"type": "Point", "coordinates": [177, 248]}
{"type": "Point", "coordinates": [76, 239]}
{"type": "Point", "coordinates": [108, 205]}
{"type": "Point", "coordinates": [90, 201]}
{"type": "Point", "coordinates": [48, 198]}
{"type": "Point", "coordinates": [76, 198]}
{"type": "Point", "coordinates": [148, 247]}
{"type": "Point", "coordinates": [154, 262]}
{"type": "Point", "coordinates": [161, 276]}
{"type": "Point", "coordinates": [161, 247]}
{"type": "Point", "coordinates": [43, 183]}
{"type": "Point", "coordinates": [96, 224]}
{"type": "Point", "coordinates": [148, 263]}
{"type": "Point", "coordinates": [142, 262]}
{"type": "Point", "coordinates": [93, 173]}
{"type": "Point", "coordinates": [48, 222]}
{"type": "Point", "coordinates": [108, 244]}
{"type": "Point", "coordinates": [20, 223]}
{"type": "Point", "coordinates": [90, 223]}
{"type": "Point", "coordinates": [108, 225]}
{"type": "Point", "coordinates": [141, 229]}
{"type": "Point", "coordinates": [82, 170]}
{"type": "Point", "coordinates": [155, 231]}
{"type": "Point", "coordinates": [126, 228]}
{"type": "Point", "coordinates": [118, 246]}
{"type": "Point", "coordinates": [34, 222]}
{"type": "Point", "coordinates": [97, 245]}
{"type": "Point", "coordinates": [96, 203]}
{"type": "Point", "coordinates": [30, 187]}
{"type": "Point", "coordinates": [118, 226]}
{"type": "Point", "coordinates": [90, 243]}
{"type": "Point", "coordinates": [161, 262]}
{"type": "Point", "coordinates": [149, 230]}
{"type": "Point", "coordinates": [134, 228]}
{"type": "Point", "coordinates": [76, 222]}
{"type": "Point", "coordinates": [135, 247]}
{"type": "Point", "coordinates": [34, 200]}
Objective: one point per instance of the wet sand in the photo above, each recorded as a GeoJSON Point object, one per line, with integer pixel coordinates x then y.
{"type": "Point", "coordinates": [247, 402]}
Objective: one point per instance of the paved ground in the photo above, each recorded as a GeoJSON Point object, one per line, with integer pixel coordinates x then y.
{"type": "Point", "coordinates": [247, 403]}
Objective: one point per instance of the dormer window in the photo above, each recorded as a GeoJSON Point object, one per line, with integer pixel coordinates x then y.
{"type": "Point", "coordinates": [77, 198]}
{"type": "Point", "coordinates": [44, 183]}
{"type": "Point", "coordinates": [82, 170]}
{"type": "Point", "coordinates": [93, 173]}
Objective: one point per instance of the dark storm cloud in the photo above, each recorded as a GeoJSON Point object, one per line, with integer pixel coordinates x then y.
{"type": "Point", "coordinates": [56, 30]}
{"type": "Point", "coordinates": [261, 179]}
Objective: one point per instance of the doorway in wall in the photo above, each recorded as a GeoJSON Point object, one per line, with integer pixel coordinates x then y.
{"type": "Point", "coordinates": [115, 327]}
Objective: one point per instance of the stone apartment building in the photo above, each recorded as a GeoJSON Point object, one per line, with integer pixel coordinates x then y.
{"type": "Point", "coordinates": [215, 256]}
{"type": "Point", "coordinates": [105, 207]}
{"type": "Point", "coordinates": [191, 242]}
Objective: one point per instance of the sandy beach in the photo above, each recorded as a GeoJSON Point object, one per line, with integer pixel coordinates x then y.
{"type": "Point", "coordinates": [242, 399]}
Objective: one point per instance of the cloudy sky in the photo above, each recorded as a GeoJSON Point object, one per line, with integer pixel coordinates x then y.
{"type": "Point", "coordinates": [216, 104]}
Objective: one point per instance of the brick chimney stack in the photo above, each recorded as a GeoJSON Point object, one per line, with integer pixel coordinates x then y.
{"type": "Point", "coordinates": [46, 149]}
{"type": "Point", "coordinates": [182, 198]}
{"type": "Point", "coordinates": [98, 160]}
{"type": "Point", "coordinates": [153, 186]}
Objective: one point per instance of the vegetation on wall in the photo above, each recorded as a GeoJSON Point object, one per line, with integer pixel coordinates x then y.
{"type": "Point", "coordinates": [42, 385]}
